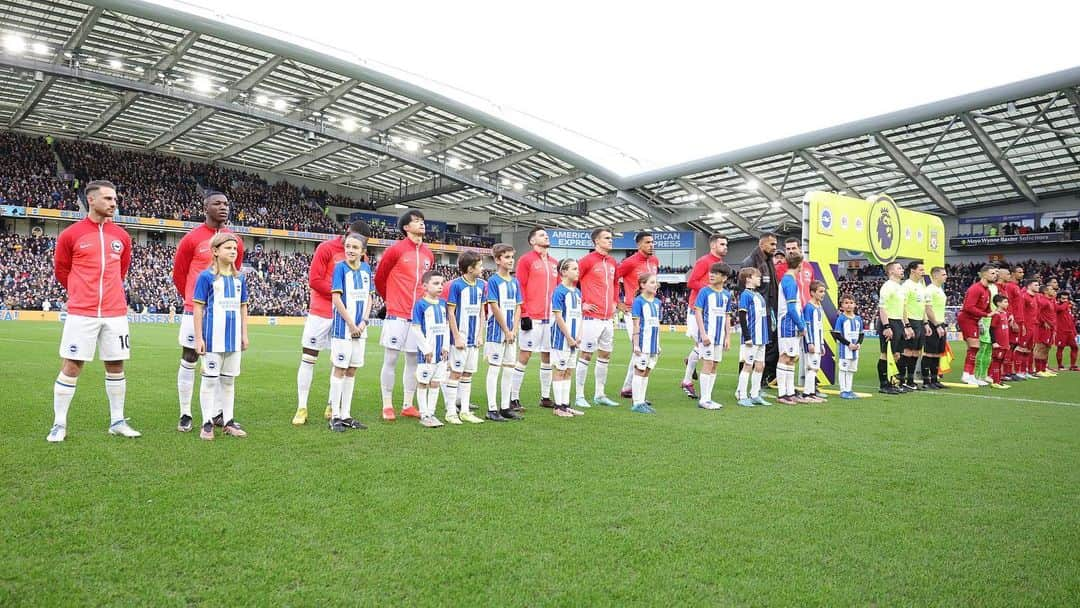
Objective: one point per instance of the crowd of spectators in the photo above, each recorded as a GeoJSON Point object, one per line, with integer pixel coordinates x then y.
{"type": "Point", "coordinates": [1013, 228]}
{"type": "Point", "coordinates": [28, 175]}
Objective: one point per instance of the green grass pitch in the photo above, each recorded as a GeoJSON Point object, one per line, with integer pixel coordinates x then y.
{"type": "Point", "coordinates": [965, 497]}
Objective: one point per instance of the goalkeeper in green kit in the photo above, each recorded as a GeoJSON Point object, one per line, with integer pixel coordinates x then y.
{"type": "Point", "coordinates": [982, 360]}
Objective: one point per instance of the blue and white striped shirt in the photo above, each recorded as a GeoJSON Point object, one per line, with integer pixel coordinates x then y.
{"type": "Point", "coordinates": [789, 308]}
{"type": "Point", "coordinates": [851, 328]}
{"type": "Point", "coordinates": [223, 296]}
{"type": "Point", "coordinates": [647, 338]}
{"type": "Point", "coordinates": [714, 305]}
{"type": "Point", "coordinates": [757, 317]}
{"type": "Point", "coordinates": [506, 293]}
{"type": "Point", "coordinates": [467, 300]}
{"type": "Point", "coordinates": [568, 302]}
{"type": "Point", "coordinates": [815, 329]}
{"type": "Point", "coordinates": [430, 319]}
{"type": "Point", "coordinates": [354, 285]}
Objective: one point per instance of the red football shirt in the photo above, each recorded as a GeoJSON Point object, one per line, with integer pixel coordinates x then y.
{"type": "Point", "coordinates": [538, 276]}
{"type": "Point", "coordinates": [630, 269]}
{"type": "Point", "coordinates": [699, 275]}
{"type": "Point", "coordinates": [193, 256]}
{"type": "Point", "coordinates": [596, 279]}
{"type": "Point", "coordinates": [91, 261]}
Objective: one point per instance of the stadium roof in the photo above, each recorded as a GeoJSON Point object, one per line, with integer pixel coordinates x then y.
{"type": "Point", "coordinates": [139, 75]}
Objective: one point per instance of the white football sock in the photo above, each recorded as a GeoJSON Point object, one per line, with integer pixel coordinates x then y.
{"type": "Point", "coordinates": [347, 386]}
{"type": "Point", "coordinates": [116, 389]}
{"type": "Point", "coordinates": [707, 381]}
{"type": "Point", "coordinates": [493, 387]}
{"type": "Point", "coordinates": [450, 397]}
{"type": "Point", "coordinates": [208, 391]}
{"type": "Point", "coordinates": [741, 392]}
{"type": "Point", "coordinates": [410, 380]}
{"type": "Point", "coordinates": [810, 384]}
{"type": "Point", "coordinates": [629, 380]}
{"type": "Point", "coordinates": [517, 376]}
{"type": "Point", "coordinates": [755, 384]}
{"type": "Point", "coordinates": [600, 374]}
{"type": "Point", "coordinates": [581, 373]}
{"type": "Point", "coordinates": [63, 391]}
{"type": "Point", "coordinates": [303, 379]}
{"type": "Point", "coordinates": [227, 397]}
{"type": "Point", "coordinates": [545, 380]}
{"type": "Point", "coordinates": [337, 386]}
{"type": "Point", "coordinates": [185, 386]}
{"type": "Point", "coordinates": [637, 388]}
{"type": "Point", "coordinates": [422, 400]}
{"type": "Point", "coordinates": [507, 386]}
{"type": "Point", "coordinates": [691, 364]}
{"type": "Point", "coordinates": [386, 376]}
{"type": "Point", "coordinates": [464, 394]}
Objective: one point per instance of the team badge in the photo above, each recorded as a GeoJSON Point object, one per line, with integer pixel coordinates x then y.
{"type": "Point", "coordinates": [73, 348]}
{"type": "Point", "coordinates": [341, 357]}
{"type": "Point", "coordinates": [826, 220]}
{"type": "Point", "coordinates": [211, 364]}
{"type": "Point", "coordinates": [117, 246]}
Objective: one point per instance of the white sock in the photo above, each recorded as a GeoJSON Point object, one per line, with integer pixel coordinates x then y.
{"type": "Point", "coordinates": [507, 386]}
{"type": "Point", "coordinates": [208, 390]}
{"type": "Point", "coordinates": [337, 386]}
{"type": "Point", "coordinates": [637, 387]}
{"type": "Point", "coordinates": [517, 376]}
{"type": "Point", "coordinates": [185, 386]}
{"type": "Point", "coordinates": [450, 397]}
{"type": "Point", "coordinates": [493, 387]}
{"type": "Point", "coordinates": [303, 379]}
{"type": "Point", "coordinates": [644, 388]}
{"type": "Point", "coordinates": [556, 386]}
{"type": "Point", "coordinates": [785, 379]}
{"type": "Point", "coordinates": [707, 381]}
{"type": "Point", "coordinates": [433, 400]}
{"type": "Point", "coordinates": [744, 383]}
{"type": "Point", "coordinates": [347, 386]}
{"type": "Point", "coordinates": [116, 389]}
{"type": "Point", "coordinates": [545, 380]}
{"type": "Point", "coordinates": [227, 396]}
{"type": "Point", "coordinates": [581, 373]}
{"type": "Point", "coordinates": [848, 378]}
{"type": "Point", "coordinates": [422, 400]}
{"type": "Point", "coordinates": [691, 363]}
{"type": "Point", "coordinates": [464, 394]}
{"type": "Point", "coordinates": [810, 384]}
{"type": "Point", "coordinates": [410, 380]}
{"type": "Point", "coordinates": [386, 377]}
{"type": "Point", "coordinates": [600, 374]}
{"type": "Point", "coordinates": [755, 384]}
{"type": "Point", "coordinates": [629, 380]}
{"type": "Point", "coordinates": [63, 391]}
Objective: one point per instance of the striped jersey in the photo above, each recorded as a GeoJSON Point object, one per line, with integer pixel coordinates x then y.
{"type": "Point", "coordinates": [354, 285]}
{"type": "Point", "coordinates": [815, 328]}
{"type": "Point", "coordinates": [851, 328]}
{"type": "Point", "coordinates": [467, 300]}
{"type": "Point", "coordinates": [789, 308]}
{"type": "Point", "coordinates": [714, 305]}
{"type": "Point", "coordinates": [506, 293]}
{"type": "Point", "coordinates": [757, 317]}
{"type": "Point", "coordinates": [429, 319]}
{"type": "Point", "coordinates": [647, 337]}
{"type": "Point", "coordinates": [223, 296]}
{"type": "Point", "coordinates": [566, 301]}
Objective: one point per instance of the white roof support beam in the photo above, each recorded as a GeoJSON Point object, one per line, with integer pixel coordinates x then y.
{"type": "Point", "coordinates": [491, 166]}
{"type": "Point", "coordinates": [559, 180]}
{"type": "Point", "coordinates": [262, 134]}
{"type": "Point", "coordinates": [72, 44]}
{"type": "Point", "coordinates": [998, 158]}
{"type": "Point", "coordinates": [659, 218]}
{"type": "Point", "coordinates": [164, 64]}
{"type": "Point", "coordinates": [835, 181]}
{"type": "Point", "coordinates": [196, 118]}
{"type": "Point", "coordinates": [764, 189]}
{"type": "Point", "coordinates": [440, 146]}
{"type": "Point", "coordinates": [912, 172]}
{"type": "Point", "coordinates": [728, 214]}
{"type": "Point", "coordinates": [334, 147]}
{"type": "Point", "coordinates": [1074, 100]}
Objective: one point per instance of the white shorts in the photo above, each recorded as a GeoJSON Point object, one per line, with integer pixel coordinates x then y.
{"type": "Point", "coordinates": [348, 352]}
{"type": "Point", "coordinates": [316, 332]}
{"type": "Point", "coordinates": [83, 335]}
{"type": "Point", "coordinates": [597, 334]}
{"type": "Point", "coordinates": [791, 347]}
{"type": "Point", "coordinates": [564, 359]}
{"type": "Point", "coordinates": [691, 326]}
{"type": "Point", "coordinates": [426, 373]}
{"type": "Point", "coordinates": [849, 365]}
{"type": "Point", "coordinates": [464, 360]}
{"type": "Point", "coordinates": [812, 361]}
{"type": "Point", "coordinates": [221, 364]}
{"type": "Point", "coordinates": [752, 353]}
{"type": "Point", "coordinates": [537, 339]}
{"type": "Point", "coordinates": [501, 353]}
{"type": "Point", "coordinates": [397, 335]}
{"type": "Point", "coordinates": [713, 352]}
{"type": "Point", "coordinates": [187, 331]}
{"type": "Point", "coordinates": [644, 361]}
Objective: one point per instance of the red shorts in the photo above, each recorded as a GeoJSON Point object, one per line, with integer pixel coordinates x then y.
{"type": "Point", "coordinates": [1025, 341]}
{"type": "Point", "coordinates": [1046, 336]}
{"type": "Point", "coordinates": [968, 327]}
{"type": "Point", "coordinates": [1066, 340]}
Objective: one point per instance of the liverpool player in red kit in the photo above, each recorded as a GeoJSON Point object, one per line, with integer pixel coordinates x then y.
{"type": "Point", "coordinates": [399, 279]}
{"type": "Point", "coordinates": [1044, 335]}
{"type": "Point", "coordinates": [643, 261]}
{"type": "Point", "coordinates": [976, 306]}
{"type": "Point", "coordinates": [192, 257]}
{"type": "Point", "coordinates": [92, 259]}
{"type": "Point", "coordinates": [319, 321]}
{"type": "Point", "coordinates": [1066, 331]}
{"type": "Point", "coordinates": [696, 281]}
{"type": "Point", "coordinates": [1030, 293]}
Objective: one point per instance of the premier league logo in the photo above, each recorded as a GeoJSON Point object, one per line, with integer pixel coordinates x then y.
{"type": "Point", "coordinates": [882, 233]}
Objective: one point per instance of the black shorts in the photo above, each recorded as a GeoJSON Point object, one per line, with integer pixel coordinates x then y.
{"type": "Point", "coordinates": [897, 342]}
{"type": "Point", "coordinates": [916, 343]}
{"type": "Point", "coordinates": [934, 345]}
